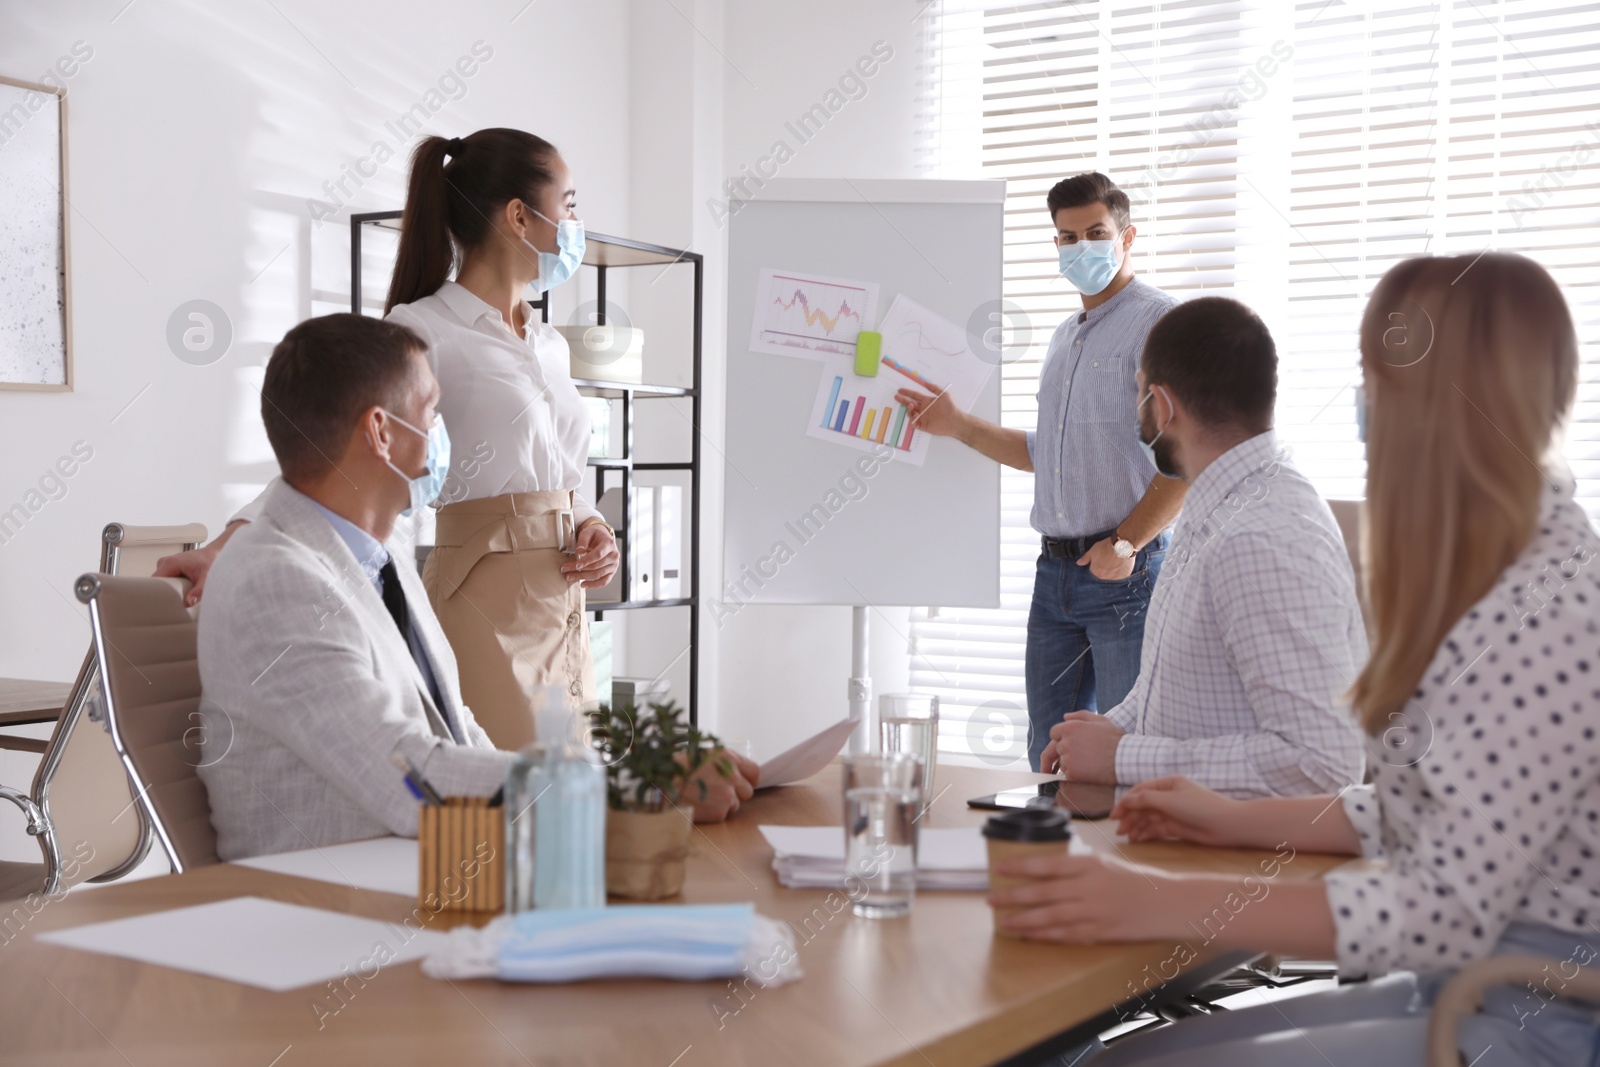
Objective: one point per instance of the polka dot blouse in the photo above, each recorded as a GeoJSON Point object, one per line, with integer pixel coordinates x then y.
{"type": "Point", "coordinates": [1484, 807]}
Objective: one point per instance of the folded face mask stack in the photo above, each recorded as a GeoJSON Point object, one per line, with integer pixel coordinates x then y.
{"type": "Point", "coordinates": [690, 942]}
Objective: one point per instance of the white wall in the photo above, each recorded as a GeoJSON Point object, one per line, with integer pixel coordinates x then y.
{"type": "Point", "coordinates": [198, 133]}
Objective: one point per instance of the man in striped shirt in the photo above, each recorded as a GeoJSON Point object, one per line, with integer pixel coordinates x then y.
{"type": "Point", "coordinates": [1254, 631]}
{"type": "Point", "coordinates": [1098, 502]}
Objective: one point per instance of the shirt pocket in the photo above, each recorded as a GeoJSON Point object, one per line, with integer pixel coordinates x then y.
{"type": "Point", "coordinates": [1099, 393]}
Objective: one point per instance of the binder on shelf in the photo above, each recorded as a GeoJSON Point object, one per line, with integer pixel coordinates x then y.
{"type": "Point", "coordinates": [669, 542]}
{"type": "Point", "coordinates": [599, 426]}
{"type": "Point", "coordinates": [637, 537]}
{"type": "Point", "coordinates": [642, 545]}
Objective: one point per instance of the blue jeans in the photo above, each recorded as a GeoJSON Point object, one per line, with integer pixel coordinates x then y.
{"type": "Point", "coordinates": [1084, 635]}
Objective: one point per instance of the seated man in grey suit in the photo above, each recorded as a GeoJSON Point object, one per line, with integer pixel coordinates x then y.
{"type": "Point", "coordinates": [319, 648]}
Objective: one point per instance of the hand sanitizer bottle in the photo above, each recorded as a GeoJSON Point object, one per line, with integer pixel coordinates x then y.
{"type": "Point", "coordinates": [556, 816]}
{"type": "Point", "coordinates": [569, 865]}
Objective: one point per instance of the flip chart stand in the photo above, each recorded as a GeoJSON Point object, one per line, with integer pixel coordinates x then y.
{"type": "Point", "coordinates": [866, 737]}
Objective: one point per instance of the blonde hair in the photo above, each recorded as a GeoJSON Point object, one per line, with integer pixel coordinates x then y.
{"type": "Point", "coordinates": [1471, 366]}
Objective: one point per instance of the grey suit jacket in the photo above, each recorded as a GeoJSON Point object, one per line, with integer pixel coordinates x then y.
{"type": "Point", "coordinates": [312, 687]}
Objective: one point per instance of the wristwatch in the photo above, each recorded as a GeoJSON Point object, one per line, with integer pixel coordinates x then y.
{"type": "Point", "coordinates": [1122, 546]}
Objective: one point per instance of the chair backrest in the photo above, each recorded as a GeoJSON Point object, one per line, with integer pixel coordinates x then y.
{"type": "Point", "coordinates": [1347, 513]}
{"type": "Point", "coordinates": [93, 830]}
{"type": "Point", "coordinates": [133, 550]}
{"type": "Point", "coordinates": [144, 639]}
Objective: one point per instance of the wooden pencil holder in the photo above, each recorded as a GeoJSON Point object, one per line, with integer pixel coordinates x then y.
{"type": "Point", "coordinates": [461, 852]}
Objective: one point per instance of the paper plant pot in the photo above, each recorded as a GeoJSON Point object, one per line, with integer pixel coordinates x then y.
{"type": "Point", "coordinates": [645, 853]}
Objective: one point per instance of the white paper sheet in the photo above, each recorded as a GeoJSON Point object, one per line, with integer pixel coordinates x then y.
{"type": "Point", "coordinates": [384, 864]}
{"type": "Point", "coordinates": [256, 942]}
{"type": "Point", "coordinates": [808, 757]}
{"type": "Point", "coordinates": [810, 316]}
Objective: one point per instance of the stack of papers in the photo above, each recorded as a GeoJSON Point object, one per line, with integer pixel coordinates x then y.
{"type": "Point", "coordinates": [812, 857]}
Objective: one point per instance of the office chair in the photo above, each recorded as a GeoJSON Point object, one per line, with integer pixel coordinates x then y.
{"type": "Point", "coordinates": [1347, 513]}
{"type": "Point", "coordinates": [80, 807]}
{"type": "Point", "coordinates": [144, 638]}
{"type": "Point", "coordinates": [1462, 995]}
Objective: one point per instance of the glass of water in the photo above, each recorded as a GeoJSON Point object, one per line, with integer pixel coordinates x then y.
{"type": "Point", "coordinates": [882, 799]}
{"type": "Point", "coordinates": [909, 723]}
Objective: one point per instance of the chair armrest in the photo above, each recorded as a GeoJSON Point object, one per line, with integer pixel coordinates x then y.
{"type": "Point", "coordinates": [1463, 994]}
{"type": "Point", "coordinates": [24, 744]}
{"type": "Point", "coordinates": [35, 816]}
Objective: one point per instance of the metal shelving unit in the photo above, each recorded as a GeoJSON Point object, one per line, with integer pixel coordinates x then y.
{"type": "Point", "coordinates": [604, 254]}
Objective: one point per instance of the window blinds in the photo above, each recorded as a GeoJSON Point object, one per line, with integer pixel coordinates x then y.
{"type": "Point", "coordinates": [1284, 154]}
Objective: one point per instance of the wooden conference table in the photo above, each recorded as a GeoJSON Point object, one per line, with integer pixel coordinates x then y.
{"type": "Point", "coordinates": [23, 701]}
{"type": "Point", "coordinates": [934, 989]}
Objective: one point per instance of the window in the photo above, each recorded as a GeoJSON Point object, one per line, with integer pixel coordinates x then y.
{"type": "Point", "coordinates": [1285, 154]}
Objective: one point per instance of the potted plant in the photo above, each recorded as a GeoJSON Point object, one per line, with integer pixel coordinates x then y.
{"type": "Point", "coordinates": [651, 758]}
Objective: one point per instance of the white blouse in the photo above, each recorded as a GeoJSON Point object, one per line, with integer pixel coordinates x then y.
{"type": "Point", "coordinates": [1484, 808]}
{"type": "Point", "coordinates": [517, 423]}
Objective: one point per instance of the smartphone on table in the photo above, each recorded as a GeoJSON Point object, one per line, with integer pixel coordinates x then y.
{"type": "Point", "coordinates": [1084, 800]}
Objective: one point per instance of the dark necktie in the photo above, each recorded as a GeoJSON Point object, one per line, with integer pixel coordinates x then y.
{"type": "Point", "coordinates": [394, 598]}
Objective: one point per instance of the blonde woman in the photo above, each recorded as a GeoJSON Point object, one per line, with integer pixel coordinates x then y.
{"type": "Point", "coordinates": [1480, 701]}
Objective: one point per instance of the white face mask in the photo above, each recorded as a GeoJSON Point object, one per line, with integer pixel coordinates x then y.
{"type": "Point", "coordinates": [425, 487]}
{"type": "Point", "coordinates": [557, 267]}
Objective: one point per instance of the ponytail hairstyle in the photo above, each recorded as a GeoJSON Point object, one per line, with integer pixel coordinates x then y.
{"type": "Point", "coordinates": [457, 186]}
{"type": "Point", "coordinates": [1471, 365]}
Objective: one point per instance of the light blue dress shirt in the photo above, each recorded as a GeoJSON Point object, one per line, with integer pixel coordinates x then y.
{"type": "Point", "coordinates": [1089, 471]}
{"type": "Point", "coordinates": [372, 555]}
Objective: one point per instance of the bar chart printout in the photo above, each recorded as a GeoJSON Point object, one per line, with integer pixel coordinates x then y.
{"type": "Point", "coordinates": [810, 316]}
{"type": "Point", "coordinates": [876, 421]}
{"type": "Point", "coordinates": [922, 351]}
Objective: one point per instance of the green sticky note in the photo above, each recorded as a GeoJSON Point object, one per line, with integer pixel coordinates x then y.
{"type": "Point", "coordinates": [869, 348]}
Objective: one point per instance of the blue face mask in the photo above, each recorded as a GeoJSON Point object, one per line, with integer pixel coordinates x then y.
{"type": "Point", "coordinates": [557, 267]}
{"type": "Point", "coordinates": [425, 487]}
{"type": "Point", "coordinates": [1149, 447]}
{"type": "Point", "coordinates": [1089, 265]}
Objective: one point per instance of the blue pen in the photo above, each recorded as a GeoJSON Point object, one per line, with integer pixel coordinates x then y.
{"type": "Point", "coordinates": [414, 781]}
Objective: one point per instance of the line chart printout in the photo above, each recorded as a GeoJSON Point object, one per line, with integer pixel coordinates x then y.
{"type": "Point", "coordinates": [810, 316]}
{"type": "Point", "coordinates": [921, 351]}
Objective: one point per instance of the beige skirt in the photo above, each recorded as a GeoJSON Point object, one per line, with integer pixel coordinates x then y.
{"type": "Point", "coordinates": [513, 620]}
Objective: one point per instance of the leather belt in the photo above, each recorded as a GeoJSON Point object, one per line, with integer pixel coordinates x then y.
{"type": "Point", "coordinates": [1071, 547]}
{"type": "Point", "coordinates": [486, 528]}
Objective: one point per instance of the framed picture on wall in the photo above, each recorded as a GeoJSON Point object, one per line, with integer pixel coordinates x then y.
{"type": "Point", "coordinates": [35, 318]}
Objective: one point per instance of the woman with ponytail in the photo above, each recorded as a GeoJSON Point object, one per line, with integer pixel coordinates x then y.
{"type": "Point", "coordinates": [1481, 702]}
{"type": "Point", "coordinates": [515, 544]}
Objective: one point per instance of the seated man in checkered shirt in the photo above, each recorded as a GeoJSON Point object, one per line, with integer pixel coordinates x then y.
{"type": "Point", "coordinates": [1254, 631]}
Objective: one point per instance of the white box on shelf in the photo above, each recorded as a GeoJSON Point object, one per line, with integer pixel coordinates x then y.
{"type": "Point", "coordinates": [639, 692]}
{"type": "Point", "coordinates": [606, 353]}
{"type": "Point", "coordinates": [669, 542]}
